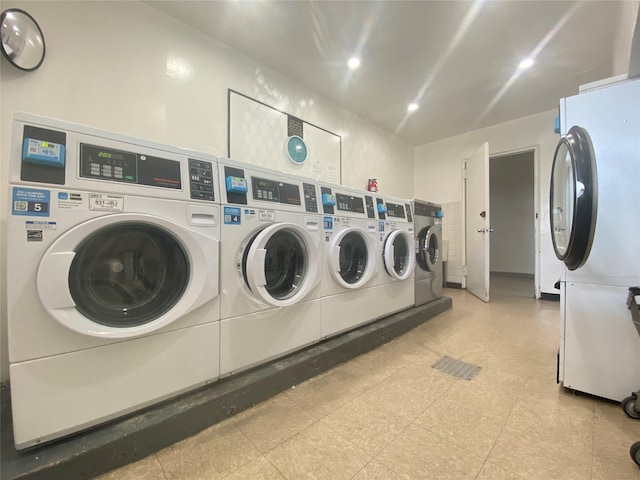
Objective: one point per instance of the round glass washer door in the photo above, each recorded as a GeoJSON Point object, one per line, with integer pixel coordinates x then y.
{"type": "Point", "coordinates": [573, 198]}
{"type": "Point", "coordinates": [280, 264]}
{"type": "Point", "coordinates": [125, 275]}
{"type": "Point", "coordinates": [428, 254]}
{"type": "Point", "coordinates": [351, 258]}
{"type": "Point", "coordinates": [399, 259]}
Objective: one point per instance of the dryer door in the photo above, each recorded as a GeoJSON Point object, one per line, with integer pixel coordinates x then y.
{"type": "Point", "coordinates": [125, 275]}
{"type": "Point", "coordinates": [399, 260]}
{"type": "Point", "coordinates": [573, 198]}
{"type": "Point", "coordinates": [428, 254]}
{"type": "Point", "coordinates": [280, 265]}
{"type": "Point", "coordinates": [351, 258]}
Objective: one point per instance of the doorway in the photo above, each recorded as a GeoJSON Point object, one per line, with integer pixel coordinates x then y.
{"type": "Point", "coordinates": [512, 212]}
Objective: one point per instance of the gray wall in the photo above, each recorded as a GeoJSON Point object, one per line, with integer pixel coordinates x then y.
{"type": "Point", "coordinates": [512, 213]}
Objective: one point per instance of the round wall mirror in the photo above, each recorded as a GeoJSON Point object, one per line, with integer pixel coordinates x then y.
{"type": "Point", "coordinates": [22, 39]}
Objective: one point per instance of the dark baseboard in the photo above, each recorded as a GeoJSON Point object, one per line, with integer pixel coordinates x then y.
{"type": "Point", "coordinates": [453, 285]}
{"type": "Point", "coordinates": [101, 449]}
{"type": "Point", "coordinates": [555, 297]}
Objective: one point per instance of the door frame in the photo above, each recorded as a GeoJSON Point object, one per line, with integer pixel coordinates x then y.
{"type": "Point", "coordinates": [536, 204]}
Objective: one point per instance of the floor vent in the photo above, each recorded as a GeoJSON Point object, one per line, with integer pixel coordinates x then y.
{"type": "Point", "coordinates": [457, 368]}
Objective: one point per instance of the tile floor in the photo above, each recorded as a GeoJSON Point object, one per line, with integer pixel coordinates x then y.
{"type": "Point", "coordinates": [510, 284]}
{"type": "Point", "coordinates": [389, 415]}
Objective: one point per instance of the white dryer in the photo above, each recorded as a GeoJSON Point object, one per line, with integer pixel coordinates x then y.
{"type": "Point", "coordinates": [350, 272]}
{"type": "Point", "coordinates": [269, 266]}
{"type": "Point", "coordinates": [428, 231]}
{"type": "Point", "coordinates": [594, 224]}
{"type": "Point", "coordinates": [396, 255]}
{"type": "Point", "coordinates": [112, 276]}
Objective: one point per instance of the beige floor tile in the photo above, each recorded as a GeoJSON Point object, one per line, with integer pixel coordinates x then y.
{"type": "Point", "coordinates": [485, 400]}
{"type": "Point", "coordinates": [418, 453]}
{"type": "Point", "coordinates": [408, 395]}
{"type": "Point", "coordinates": [513, 362]}
{"type": "Point", "coordinates": [491, 471]}
{"type": "Point", "coordinates": [544, 440]}
{"type": "Point", "coordinates": [323, 394]}
{"type": "Point", "coordinates": [272, 422]}
{"type": "Point", "coordinates": [367, 426]}
{"type": "Point", "coordinates": [613, 436]}
{"type": "Point", "coordinates": [503, 383]}
{"type": "Point", "coordinates": [148, 468]}
{"type": "Point", "coordinates": [374, 470]}
{"type": "Point", "coordinates": [318, 453]}
{"type": "Point", "coordinates": [258, 469]}
{"type": "Point", "coordinates": [381, 361]}
{"type": "Point", "coordinates": [407, 349]}
{"type": "Point", "coordinates": [212, 454]}
{"type": "Point", "coordinates": [463, 347]}
{"type": "Point", "coordinates": [468, 416]}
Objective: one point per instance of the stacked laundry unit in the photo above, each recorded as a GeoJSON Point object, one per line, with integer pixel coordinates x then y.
{"type": "Point", "coordinates": [112, 291]}
{"type": "Point", "coordinates": [270, 265]}
{"type": "Point", "coordinates": [350, 272]}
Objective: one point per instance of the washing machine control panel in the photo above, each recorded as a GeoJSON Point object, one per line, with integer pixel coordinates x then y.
{"type": "Point", "coordinates": [310, 197]}
{"type": "Point", "coordinates": [371, 213]}
{"type": "Point", "coordinates": [407, 208]}
{"type": "Point", "coordinates": [349, 203]}
{"type": "Point", "coordinates": [427, 210]}
{"type": "Point", "coordinates": [395, 210]}
{"type": "Point", "coordinates": [274, 191]}
{"type": "Point", "coordinates": [201, 180]}
{"type": "Point", "coordinates": [100, 163]}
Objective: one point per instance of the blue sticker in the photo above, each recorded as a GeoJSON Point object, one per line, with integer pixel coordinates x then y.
{"type": "Point", "coordinates": [232, 216]}
{"type": "Point", "coordinates": [381, 226]}
{"type": "Point", "coordinates": [328, 223]}
{"type": "Point", "coordinates": [63, 196]}
{"type": "Point", "coordinates": [31, 202]}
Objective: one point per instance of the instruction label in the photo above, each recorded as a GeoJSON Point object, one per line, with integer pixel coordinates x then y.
{"type": "Point", "coordinates": [31, 225]}
{"type": "Point", "coordinates": [232, 216]}
{"type": "Point", "coordinates": [30, 201]}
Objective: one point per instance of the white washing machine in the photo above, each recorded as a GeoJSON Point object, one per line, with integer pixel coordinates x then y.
{"type": "Point", "coordinates": [269, 266]}
{"type": "Point", "coordinates": [396, 255]}
{"type": "Point", "coordinates": [594, 204]}
{"type": "Point", "coordinates": [112, 276]}
{"type": "Point", "coordinates": [428, 237]}
{"type": "Point", "coordinates": [350, 272]}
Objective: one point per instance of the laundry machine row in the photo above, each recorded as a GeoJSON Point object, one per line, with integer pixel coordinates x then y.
{"type": "Point", "coordinates": [138, 271]}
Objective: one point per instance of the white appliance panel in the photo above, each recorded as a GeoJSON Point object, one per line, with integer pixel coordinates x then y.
{"type": "Point", "coordinates": [601, 345]}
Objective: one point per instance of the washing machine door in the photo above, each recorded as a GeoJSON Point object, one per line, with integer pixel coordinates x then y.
{"type": "Point", "coordinates": [428, 248]}
{"type": "Point", "coordinates": [399, 260]}
{"type": "Point", "coordinates": [573, 198]}
{"type": "Point", "coordinates": [280, 264]}
{"type": "Point", "coordinates": [351, 257]}
{"type": "Point", "coordinates": [126, 275]}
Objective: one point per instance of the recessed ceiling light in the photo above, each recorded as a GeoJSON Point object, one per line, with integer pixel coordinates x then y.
{"type": "Point", "coordinates": [354, 63]}
{"type": "Point", "coordinates": [412, 107]}
{"type": "Point", "coordinates": [526, 63]}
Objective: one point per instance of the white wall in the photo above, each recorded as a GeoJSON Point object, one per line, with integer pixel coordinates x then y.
{"type": "Point", "coordinates": [438, 168]}
{"type": "Point", "coordinates": [624, 35]}
{"type": "Point", "coordinates": [129, 68]}
{"type": "Point", "coordinates": [512, 213]}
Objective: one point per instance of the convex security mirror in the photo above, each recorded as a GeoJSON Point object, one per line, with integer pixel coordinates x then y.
{"type": "Point", "coordinates": [22, 39]}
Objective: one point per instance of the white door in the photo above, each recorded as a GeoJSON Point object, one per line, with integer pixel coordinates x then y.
{"type": "Point", "coordinates": [477, 223]}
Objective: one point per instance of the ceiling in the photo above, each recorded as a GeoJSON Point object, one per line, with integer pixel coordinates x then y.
{"type": "Point", "coordinates": [457, 59]}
